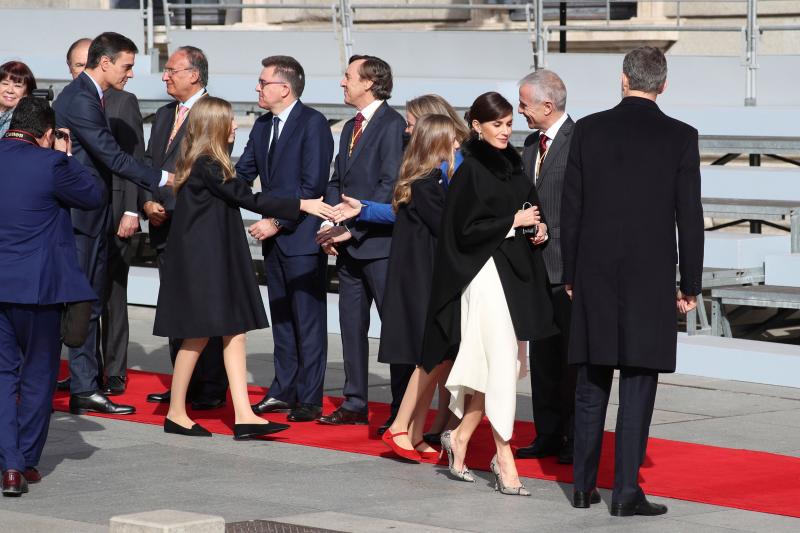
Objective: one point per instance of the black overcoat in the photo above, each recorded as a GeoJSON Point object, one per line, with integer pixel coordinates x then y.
{"type": "Point", "coordinates": [208, 286]}
{"type": "Point", "coordinates": [633, 173]}
{"type": "Point", "coordinates": [487, 190]}
{"type": "Point", "coordinates": [410, 272]}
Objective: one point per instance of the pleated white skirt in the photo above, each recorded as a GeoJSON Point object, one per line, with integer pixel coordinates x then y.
{"type": "Point", "coordinates": [490, 358]}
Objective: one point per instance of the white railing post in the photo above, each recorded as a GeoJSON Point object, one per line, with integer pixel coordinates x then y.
{"type": "Point", "coordinates": [751, 53]}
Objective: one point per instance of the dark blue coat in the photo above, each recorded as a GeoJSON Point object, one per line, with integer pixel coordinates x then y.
{"type": "Point", "coordinates": [38, 259]}
{"type": "Point", "coordinates": [301, 169]}
{"type": "Point", "coordinates": [369, 173]}
{"type": "Point", "coordinates": [78, 108]}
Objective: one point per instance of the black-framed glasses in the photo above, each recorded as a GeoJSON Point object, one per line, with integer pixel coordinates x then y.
{"type": "Point", "coordinates": [169, 72]}
{"type": "Point", "coordinates": [264, 83]}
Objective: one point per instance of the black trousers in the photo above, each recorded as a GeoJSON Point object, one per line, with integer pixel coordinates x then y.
{"type": "Point", "coordinates": [552, 379]}
{"type": "Point", "coordinates": [360, 282]}
{"type": "Point", "coordinates": [637, 395]}
{"type": "Point", "coordinates": [209, 380]}
{"type": "Point", "coordinates": [114, 319]}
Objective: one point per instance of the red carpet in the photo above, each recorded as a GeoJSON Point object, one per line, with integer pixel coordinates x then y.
{"type": "Point", "coordinates": [742, 479]}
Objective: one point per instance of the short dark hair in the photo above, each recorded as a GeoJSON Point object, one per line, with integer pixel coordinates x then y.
{"type": "Point", "coordinates": [18, 72]}
{"type": "Point", "coordinates": [33, 115]}
{"type": "Point", "coordinates": [646, 69]}
{"type": "Point", "coordinates": [109, 44]}
{"type": "Point", "coordinates": [197, 60]}
{"type": "Point", "coordinates": [378, 72]}
{"type": "Point", "coordinates": [74, 45]}
{"type": "Point", "coordinates": [488, 107]}
{"type": "Point", "coordinates": [290, 70]}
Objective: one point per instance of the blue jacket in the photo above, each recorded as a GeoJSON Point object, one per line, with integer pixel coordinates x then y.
{"type": "Point", "coordinates": [300, 170]}
{"type": "Point", "coordinates": [38, 259]}
{"type": "Point", "coordinates": [93, 145]}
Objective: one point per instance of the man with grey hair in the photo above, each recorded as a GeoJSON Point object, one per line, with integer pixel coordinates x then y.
{"type": "Point", "coordinates": [185, 76]}
{"type": "Point", "coordinates": [542, 101]}
{"type": "Point", "coordinates": [633, 175]}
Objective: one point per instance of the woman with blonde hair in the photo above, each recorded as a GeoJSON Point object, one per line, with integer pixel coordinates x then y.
{"type": "Point", "coordinates": [208, 287]}
{"type": "Point", "coordinates": [419, 199]}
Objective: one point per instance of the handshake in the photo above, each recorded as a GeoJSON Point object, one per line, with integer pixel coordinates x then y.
{"type": "Point", "coordinates": [329, 235]}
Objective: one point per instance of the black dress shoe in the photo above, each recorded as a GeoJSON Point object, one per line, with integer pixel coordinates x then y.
{"type": "Point", "coordinates": [271, 405]}
{"type": "Point", "coordinates": [252, 431]}
{"type": "Point", "coordinates": [565, 454]}
{"type": "Point", "coordinates": [63, 384]}
{"type": "Point", "coordinates": [159, 397]}
{"type": "Point", "coordinates": [432, 438]}
{"type": "Point", "coordinates": [207, 405]}
{"type": "Point", "coordinates": [14, 483]}
{"type": "Point", "coordinates": [541, 447]}
{"type": "Point", "coordinates": [195, 431]}
{"type": "Point", "coordinates": [642, 507]}
{"type": "Point", "coordinates": [305, 412]}
{"type": "Point", "coordinates": [115, 385]}
{"type": "Point", "coordinates": [343, 416]}
{"type": "Point", "coordinates": [582, 500]}
{"type": "Point", "coordinates": [386, 425]}
{"type": "Point", "coordinates": [97, 403]}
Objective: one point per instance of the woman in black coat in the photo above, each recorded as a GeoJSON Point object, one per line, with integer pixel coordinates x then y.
{"type": "Point", "coordinates": [490, 289]}
{"type": "Point", "coordinates": [208, 287]}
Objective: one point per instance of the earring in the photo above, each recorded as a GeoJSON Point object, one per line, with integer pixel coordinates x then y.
{"type": "Point", "coordinates": [480, 136]}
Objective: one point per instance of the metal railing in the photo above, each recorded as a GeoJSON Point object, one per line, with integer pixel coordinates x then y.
{"type": "Point", "coordinates": [342, 20]}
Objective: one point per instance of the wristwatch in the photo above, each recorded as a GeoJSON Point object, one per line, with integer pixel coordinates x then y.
{"type": "Point", "coordinates": [277, 223]}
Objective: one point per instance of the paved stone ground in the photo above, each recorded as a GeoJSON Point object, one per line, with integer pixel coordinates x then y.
{"type": "Point", "coordinates": [97, 468]}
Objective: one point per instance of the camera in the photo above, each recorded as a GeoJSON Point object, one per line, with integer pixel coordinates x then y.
{"type": "Point", "coordinates": [44, 94]}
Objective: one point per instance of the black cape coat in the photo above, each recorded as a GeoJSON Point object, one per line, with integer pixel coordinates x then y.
{"type": "Point", "coordinates": [487, 190]}
{"type": "Point", "coordinates": [633, 175]}
{"type": "Point", "coordinates": [410, 272]}
{"type": "Point", "coordinates": [208, 286]}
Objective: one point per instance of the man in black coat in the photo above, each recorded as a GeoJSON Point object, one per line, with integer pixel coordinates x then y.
{"type": "Point", "coordinates": [80, 108]}
{"type": "Point", "coordinates": [633, 174]}
{"type": "Point", "coordinates": [370, 152]}
{"type": "Point", "coordinates": [186, 77]}
{"type": "Point", "coordinates": [542, 101]}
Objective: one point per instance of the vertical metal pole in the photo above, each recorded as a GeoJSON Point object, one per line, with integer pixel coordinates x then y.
{"type": "Point", "coordinates": [562, 21]}
{"type": "Point", "coordinates": [167, 19]}
{"type": "Point", "coordinates": [541, 37]}
{"type": "Point", "coordinates": [187, 14]}
{"type": "Point", "coordinates": [608, 12]}
{"type": "Point", "coordinates": [794, 226]}
{"type": "Point", "coordinates": [678, 14]}
{"type": "Point", "coordinates": [346, 14]}
{"type": "Point", "coordinates": [150, 32]}
{"type": "Point", "coordinates": [751, 53]}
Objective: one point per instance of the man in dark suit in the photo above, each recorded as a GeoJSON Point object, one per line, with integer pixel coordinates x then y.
{"type": "Point", "coordinates": [370, 152]}
{"type": "Point", "coordinates": [186, 77]}
{"type": "Point", "coordinates": [290, 148]}
{"type": "Point", "coordinates": [125, 121]}
{"type": "Point", "coordinates": [39, 272]}
{"type": "Point", "coordinates": [633, 173]}
{"type": "Point", "coordinates": [542, 101]}
{"type": "Point", "coordinates": [80, 108]}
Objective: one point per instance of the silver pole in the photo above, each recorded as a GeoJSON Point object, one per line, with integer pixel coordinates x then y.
{"type": "Point", "coordinates": [151, 46]}
{"type": "Point", "coordinates": [751, 53]}
{"type": "Point", "coordinates": [541, 36]}
{"type": "Point", "coordinates": [346, 14]}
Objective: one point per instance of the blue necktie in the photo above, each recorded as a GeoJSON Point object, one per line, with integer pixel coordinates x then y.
{"type": "Point", "coordinates": [273, 141]}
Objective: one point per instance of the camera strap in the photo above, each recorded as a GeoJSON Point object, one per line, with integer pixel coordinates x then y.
{"type": "Point", "coordinates": [20, 135]}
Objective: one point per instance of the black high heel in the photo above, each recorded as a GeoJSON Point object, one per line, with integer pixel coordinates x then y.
{"type": "Point", "coordinates": [252, 431]}
{"type": "Point", "coordinates": [195, 431]}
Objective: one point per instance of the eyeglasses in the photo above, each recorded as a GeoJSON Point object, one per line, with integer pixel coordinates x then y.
{"type": "Point", "coordinates": [264, 83]}
{"type": "Point", "coordinates": [169, 72]}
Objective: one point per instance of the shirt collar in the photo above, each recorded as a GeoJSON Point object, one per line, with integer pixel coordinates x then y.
{"type": "Point", "coordinates": [552, 131]}
{"type": "Point", "coordinates": [369, 111]}
{"type": "Point", "coordinates": [284, 115]}
{"type": "Point", "coordinates": [96, 86]}
{"type": "Point", "coordinates": [194, 98]}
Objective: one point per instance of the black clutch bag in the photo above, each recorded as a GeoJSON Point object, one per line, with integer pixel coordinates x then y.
{"type": "Point", "coordinates": [75, 323]}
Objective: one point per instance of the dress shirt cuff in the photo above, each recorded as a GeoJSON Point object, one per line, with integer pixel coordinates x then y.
{"type": "Point", "coordinates": [164, 178]}
{"type": "Point", "coordinates": [326, 224]}
{"type": "Point", "coordinates": [132, 214]}
{"type": "Point", "coordinates": [511, 232]}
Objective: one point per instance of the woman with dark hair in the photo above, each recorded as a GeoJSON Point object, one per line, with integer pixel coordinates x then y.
{"type": "Point", "coordinates": [16, 81]}
{"type": "Point", "coordinates": [490, 289]}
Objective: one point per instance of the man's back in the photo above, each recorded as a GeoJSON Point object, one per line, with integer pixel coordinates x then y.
{"type": "Point", "coordinates": [37, 250]}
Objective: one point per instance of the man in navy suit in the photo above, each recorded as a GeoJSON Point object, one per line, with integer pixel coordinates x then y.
{"type": "Point", "coordinates": [291, 148]}
{"type": "Point", "coordinates": [39, 272]}
{"type": "Point", "coordinates": [80, 108]}
{"type": "Point", "coordinates": [370, 152]}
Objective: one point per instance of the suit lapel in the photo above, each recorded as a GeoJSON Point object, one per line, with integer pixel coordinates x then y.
{"type": "Point", "coordinates": [287, 131]}
{"type": "Point", "coordinates": [369, 135]}
{"type": "Point", "coordinates": [562, 137]}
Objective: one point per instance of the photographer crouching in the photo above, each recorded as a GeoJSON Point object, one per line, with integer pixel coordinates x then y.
{"type": "Point", "coordinates": [39, 277]}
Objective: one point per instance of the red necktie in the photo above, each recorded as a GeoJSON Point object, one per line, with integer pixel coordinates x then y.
{"type": "Point", "coordinates": [357, 129]}
{"type": "Point", "coordinates": [542, 144]}
{"type": "Point", "coordinates": [103, 103]}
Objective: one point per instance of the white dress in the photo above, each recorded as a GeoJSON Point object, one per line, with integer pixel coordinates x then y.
{"type": "Point", "coordinates": [490, 358]}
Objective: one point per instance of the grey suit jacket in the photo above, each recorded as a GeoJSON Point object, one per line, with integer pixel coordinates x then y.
{"type": "Point", "coordinates": [549, 187]}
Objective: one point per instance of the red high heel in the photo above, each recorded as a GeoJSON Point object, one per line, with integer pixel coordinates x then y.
{"type": "Point", "coordinates": [410, 455]}
{"type": "Point", "coordinates": [427, 456]}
